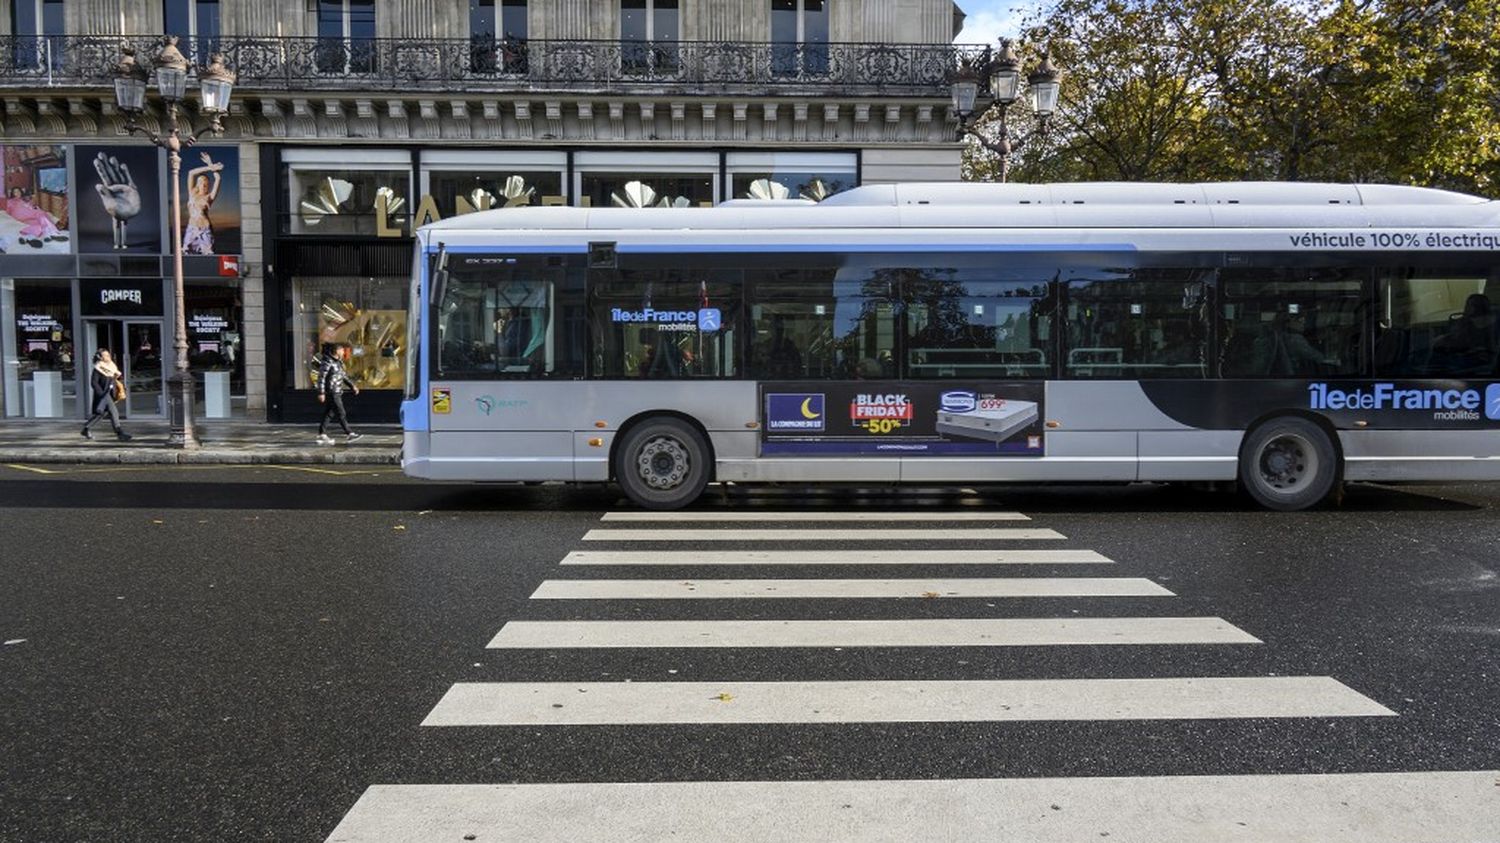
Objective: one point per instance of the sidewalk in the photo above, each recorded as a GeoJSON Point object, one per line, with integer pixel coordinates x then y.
{"type": "Point", "coordinates": [223, 442]}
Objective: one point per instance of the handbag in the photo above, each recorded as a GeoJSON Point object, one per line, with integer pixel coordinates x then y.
{"type": "Point", "coordinates": [117, 391]}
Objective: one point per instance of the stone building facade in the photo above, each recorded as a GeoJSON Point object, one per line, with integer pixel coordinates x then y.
{"type": "Point", "coordinates": [355, 120]}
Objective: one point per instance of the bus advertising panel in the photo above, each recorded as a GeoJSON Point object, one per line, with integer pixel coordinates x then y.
{"type": "Point", "coordinates": [902, 418]}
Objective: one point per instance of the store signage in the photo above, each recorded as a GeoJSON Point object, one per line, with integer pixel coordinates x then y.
{"type": "Point", "coordinates": [114, 297]}
{"type": "Point", "coordinates": [207, 323]}
{"type": "Point", "coordinates": [37, 323]}
{"type": "Point", "coordinates": [229, 266]}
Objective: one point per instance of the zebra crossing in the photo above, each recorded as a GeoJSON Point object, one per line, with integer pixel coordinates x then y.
{"type": "Point", "coordinates": [1333, 807]}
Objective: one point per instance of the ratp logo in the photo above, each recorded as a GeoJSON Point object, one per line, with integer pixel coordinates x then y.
{"type": "Point", "coordinates": [1492, 402]}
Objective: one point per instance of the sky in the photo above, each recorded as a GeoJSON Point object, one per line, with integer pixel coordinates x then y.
{"type": "Point", "coordinates": [991, 20]}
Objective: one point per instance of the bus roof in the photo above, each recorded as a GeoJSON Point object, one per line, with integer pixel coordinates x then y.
{"type": "Point", "coordinates": [1083, 205]}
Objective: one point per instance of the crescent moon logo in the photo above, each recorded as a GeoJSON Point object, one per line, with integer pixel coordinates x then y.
{"type": "Point", "coordinates": [807, 412]}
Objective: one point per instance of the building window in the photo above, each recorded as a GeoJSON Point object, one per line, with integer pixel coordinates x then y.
{"type": "Point", "coordinates": [328, 194]}
{"type": "Point", "coordinates": [346, 36]}
{"type": "Point", "coordinates": [497, 45]}
{"type": "Point", "coordinates": [195, 23]}
{"type": "Point", "coordinates": [646, 180]}
{"type": "Point", "coordinates": [216, 347]}
{"type": "Point", "coordinates": [799, 37]}
{"type": "Point", "coordinates": [366, 314]}
{"type": "Point", "coordinates": [790, 175]}
{"type": "Point", "coordinates": [38, 27]}
{"type": "Point", "coordinates": [648, 36]}
{"type": "Point", "coordinates": [461, 181]}
{"type": "Point", "coordinates": [40, 380]}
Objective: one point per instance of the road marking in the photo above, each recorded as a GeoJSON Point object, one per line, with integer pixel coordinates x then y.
{"type": "Point", "coordinates": [1001, 534]}
{"type": "Point", "coordinates": [32, 469]}
{"type": "Point", "coordinates": [1339, 808]}
{"type": "Point", "coordinates": [739, 589]}
{"type": "Point", "coordinates": [940, 632]}
{"type": "Point", "coordinates": [836, 557]}
{"type": "Point", "coordinates": [163, 467]}
{"type": "Point", "coordinates": [925, 701]}
{"type": "Point", "coordinates": [812, 515]}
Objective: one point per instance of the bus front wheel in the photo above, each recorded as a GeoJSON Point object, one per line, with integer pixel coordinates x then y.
{"type": "Point", "coordinates": [1288, 464]}
{"type": "Point", "coordinates": [662, 464]}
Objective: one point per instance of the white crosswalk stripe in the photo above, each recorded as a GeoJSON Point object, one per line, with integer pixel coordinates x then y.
{"type": "Point", "coordinates": [943, 632]}
{"type": "Point", "coordinates": [839, 589]}
{"type": "Point", "coordinates": [635, 703]}
{"type": "Point", "coordinates": [1342, 808]}
{"type": "Point", "coordinates": [835, 557]}
{"type": "Point", "coordinates": [811, 515]}
{"type": "Point", "coordinates": [1362, 807]}
{"type": "Point", "coordinates": [829, 535]}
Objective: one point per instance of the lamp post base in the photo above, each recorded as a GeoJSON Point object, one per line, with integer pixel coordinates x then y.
{"type": "Point", "coordinates": [180, 410]}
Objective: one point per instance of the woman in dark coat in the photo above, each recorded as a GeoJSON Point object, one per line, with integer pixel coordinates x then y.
{"type": "Point", "coordinates": [102, 381]}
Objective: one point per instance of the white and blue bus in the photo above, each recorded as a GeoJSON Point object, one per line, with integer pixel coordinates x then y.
{"type": "Point", "coordinates": [1288, 337]}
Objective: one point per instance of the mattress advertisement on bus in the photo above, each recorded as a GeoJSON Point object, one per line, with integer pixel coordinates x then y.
{"type": "Point", "coordinates": [902, 419]}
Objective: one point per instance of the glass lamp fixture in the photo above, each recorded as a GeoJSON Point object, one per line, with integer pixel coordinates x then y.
{"type": "Point", "coordinates": [1043, 88]}
{"type": "Point", "coordinates": [965, 91]}
{"type": "Point", "coordinates": [130, 83]}
{"type": "Point", "coordinates": [216, 82]}
{"type": "Point", "coordinates": [1005, 75]}
{"type": "Point", "coordinates": [171, 71]}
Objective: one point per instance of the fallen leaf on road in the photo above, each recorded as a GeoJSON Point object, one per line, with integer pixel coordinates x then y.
{"type": "Point", "coordinates": [156, 521]}
{"type": "Point", "coordinates": [399, 527]}
{"type": "Point", "coordinates": [930, 594]}
{"type": "Point", "coordinates": [15, 641]}
{"type": "Point", "coordinates": [723, 697]}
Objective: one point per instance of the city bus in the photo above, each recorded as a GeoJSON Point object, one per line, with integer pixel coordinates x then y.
{"type": "Point", "coordinates": [1286, 338]}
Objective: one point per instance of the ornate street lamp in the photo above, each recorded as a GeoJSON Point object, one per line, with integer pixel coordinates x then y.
{"type": "Point", "coordinates": [1004, 74]}
{"type": "Point", "coordinates": [216, 83]}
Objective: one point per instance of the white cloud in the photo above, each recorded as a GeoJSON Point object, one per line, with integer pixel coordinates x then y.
{"type": "Point", "coordinates": [991, 20]}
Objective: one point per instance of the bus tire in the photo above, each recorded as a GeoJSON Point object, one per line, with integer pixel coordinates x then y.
{"type": "Point", "coordinates": [662, 464]}
{"type": "Point", "coordinates": [1288, 464]}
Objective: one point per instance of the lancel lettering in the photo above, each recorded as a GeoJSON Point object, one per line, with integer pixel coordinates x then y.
{"type": "Point", "coordinates": [112, 296]}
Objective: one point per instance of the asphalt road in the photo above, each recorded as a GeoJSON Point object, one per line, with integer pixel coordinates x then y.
{"type": "Point", "coordinates": [239, 653]}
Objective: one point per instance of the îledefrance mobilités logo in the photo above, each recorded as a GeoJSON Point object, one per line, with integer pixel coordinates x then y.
{"type": "Point", "coordinates": [1465, 404]}
{"type": "Point", "coordinates": [795, 411]}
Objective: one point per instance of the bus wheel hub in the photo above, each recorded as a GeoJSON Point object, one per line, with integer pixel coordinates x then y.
{"type": "Point", "coordinates": [663, 463]}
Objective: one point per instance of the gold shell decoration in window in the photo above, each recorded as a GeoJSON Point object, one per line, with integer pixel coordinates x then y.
{"type": "Point", "coordinates": [327, 200]}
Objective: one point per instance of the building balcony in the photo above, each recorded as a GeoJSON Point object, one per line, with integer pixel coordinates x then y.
{"type": "Point", "coordinates": [500, 66]}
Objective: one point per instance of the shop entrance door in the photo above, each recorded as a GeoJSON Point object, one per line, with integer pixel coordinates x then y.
{"type": "Point", "coordinates": [137, 350]}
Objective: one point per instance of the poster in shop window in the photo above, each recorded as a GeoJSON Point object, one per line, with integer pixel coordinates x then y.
{"type": "Point", "coordinates": [902, 418]}
{"type": "Point", "coordinates": [211, 200]}
{"type": "Point", "coordinates": [34, 211]}
{"type": "Point", "coordinates": [119, 207]}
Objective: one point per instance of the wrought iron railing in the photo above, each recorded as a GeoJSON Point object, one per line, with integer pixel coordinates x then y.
{"type": "Point", "coordinates": [501, 65]}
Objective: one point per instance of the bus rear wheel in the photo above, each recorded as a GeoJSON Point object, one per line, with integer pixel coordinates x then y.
{"type": "Point", "coordinates": [1288, 464]}
{"type": "Point", "coordinates": [662, 464]}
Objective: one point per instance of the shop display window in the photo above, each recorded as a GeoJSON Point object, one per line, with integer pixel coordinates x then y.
{"type": "Point", "coordinates": [366, 314]}
{"type": "Point", "coordinates": [216, 346]}
{"type": "Point", "coordinates": [327, 199]}
{"type": "Point", "coordinates": [40, 377]}
{"type": "Point", "coordinates": [457, 192]}
{"type": "Point", "coordinates": [648, 190]}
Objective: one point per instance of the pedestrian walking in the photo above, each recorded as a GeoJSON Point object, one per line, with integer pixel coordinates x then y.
{"type": "Point", "coordinates": [108, 385]}
{"type": "Point", "coordinates": [332, 378]}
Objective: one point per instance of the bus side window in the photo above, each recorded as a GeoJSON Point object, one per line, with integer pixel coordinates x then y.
{"type": "Point", "coordinates": [1441, 324]}
{"type": "Point", "coordinates": [1292, 322]}
{"type": "Point", "coordinates": [1137, 323]}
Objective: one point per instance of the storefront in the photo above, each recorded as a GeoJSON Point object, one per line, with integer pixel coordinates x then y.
{"type": "Point", "coordinates": [80, 276]}
{"type": "Point", "coordinates": [339, 256]}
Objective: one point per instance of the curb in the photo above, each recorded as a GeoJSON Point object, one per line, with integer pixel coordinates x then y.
{"type": "Point", "coordinates": [201, 456]}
